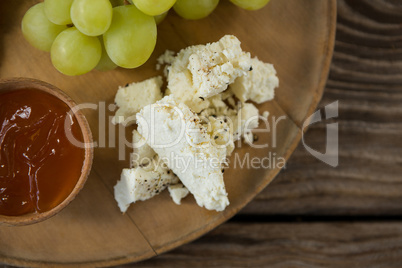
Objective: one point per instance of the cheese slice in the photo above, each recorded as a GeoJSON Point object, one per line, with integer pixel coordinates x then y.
{"type": "Point", "coordinates": [133, 97]}
{"type": "Point", "coordinates": [200, 72]}
{"type": "Point", "coordinates": [258, 85]}
{"type": "Point", "coordinates": [142, 183]}
{"type": "Point", "coordinates": [176, 134]}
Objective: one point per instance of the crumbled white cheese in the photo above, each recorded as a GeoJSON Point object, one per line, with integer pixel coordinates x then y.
{"type": "Point", "coordinates": [246, 120]}
{"type": "Point", "coordinates": [176, 134]}
{"type": "Point", "coordinates": [226, 94]}
{"type": "Point", "coordinates": [241, 119]}
{"type": "Point", "coordinates": [193, 128]}
{"type": "Point", "coordinates": [216, 65]}
{"type": "Point", "coordinates": [142, 183]}
{"type": "Point", "coordinates": [180, 82]}
{"type": "Point", "coordinates": [258, 85]}
{"type": "Point", "coordinates": [231, 101]}
{"type": "Point", "coordinates": [142, 154]}
{"type": "Point", "coordinates": [178, 192]}
{"type": "Point", "coordinates": [200, 72]}
{"type": "Point", "coordinates": [265, 115]}
{"type": "Point", "coordinates": [166, 58]}
{"type": "Point", "coordinates": [221, 136]}
{"type": "Point", "coordinates": [133, 97]}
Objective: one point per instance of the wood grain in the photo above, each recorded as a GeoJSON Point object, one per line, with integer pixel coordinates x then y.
{"type": "Point", "coordinates": [366, 79]}
{"type": "Point", "coordinates": [290, 245]}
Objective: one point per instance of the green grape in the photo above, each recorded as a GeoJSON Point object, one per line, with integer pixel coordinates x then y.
{"type": "Point", "coordinates": [195, 9]}
{"type": "Point", "coordinates": [116, 3]}
{"type": "Point", "coordinates": [250, 4]}
{"type": "Point", "coordinates": [154, 7]}
{"type": "Point", "coordinates": [161, 17]}
{"type": "Point", "coordinates": [58, 11]}
{"type": "Point", "coordinates": [38, 30]}
{"type": "Point", "coordinates": [105, 63]}
{"type": "Point", "coordinates": [74, 53]}
{"type": "Point", "coordinates": [131, 38]}
{"type": "Point", "coordinates": [92, 17]}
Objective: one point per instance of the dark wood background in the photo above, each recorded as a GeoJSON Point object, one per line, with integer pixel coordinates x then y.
{"type": "Point", "coordinates": [314, 215]}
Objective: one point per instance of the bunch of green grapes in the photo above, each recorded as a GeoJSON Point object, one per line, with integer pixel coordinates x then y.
{"type": "Point", "coordinates": [85, 34]}
{"type": "Point", "coordinates": [198, 9]}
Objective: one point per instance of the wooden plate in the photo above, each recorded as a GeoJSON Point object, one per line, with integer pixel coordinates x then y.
{"type": "Point", "coordinates": [297, 36]}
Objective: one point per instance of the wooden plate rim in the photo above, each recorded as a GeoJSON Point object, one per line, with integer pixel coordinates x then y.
{"type": "Point", "coordinates": [329, 48]}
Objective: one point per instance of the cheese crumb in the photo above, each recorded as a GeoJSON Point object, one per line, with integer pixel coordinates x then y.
{"type": "Point", "coordinates": [142, 183]}
{"type": "Point", "coordinates": [258, 85]}
{"type": "Point", "coordinates": [133, 97]}
{"type": "Point", "coordinates": [265, 114]}
{"type": "Point", "coordinates": [216, 65]}
{"type": "Point", "coordinates": [221, 136]}
{"type": "Point", "coordinates": [241, 119]}
{"type": "Point", "coordinates": [165, 59]}
{"type": "Point", "coordinates": [203, 71]}
{"type": "Point", "coordinates": [178, 192]}
{"type": "Point", "coordinates": [246, 120]}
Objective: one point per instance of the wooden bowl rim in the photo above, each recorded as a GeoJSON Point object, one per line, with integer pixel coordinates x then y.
{"type": "Point", "coordinates": [31, 83]}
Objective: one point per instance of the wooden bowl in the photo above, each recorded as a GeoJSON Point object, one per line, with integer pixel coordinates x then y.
{"type": "Point", "coordinates": [27, 83]}
{"type": "Point", "coordinates": [297, 36]}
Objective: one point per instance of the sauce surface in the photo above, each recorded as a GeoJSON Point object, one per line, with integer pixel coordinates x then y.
{"type": "Point", "coordinates": [39, 166]}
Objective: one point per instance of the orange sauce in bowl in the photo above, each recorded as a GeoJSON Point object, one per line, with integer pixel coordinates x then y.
{"type": "Point", "coordinates": [39, 166]}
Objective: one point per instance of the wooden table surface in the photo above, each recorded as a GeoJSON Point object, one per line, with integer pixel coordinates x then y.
{"type": "Point", "coordinates": [314, 215]}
